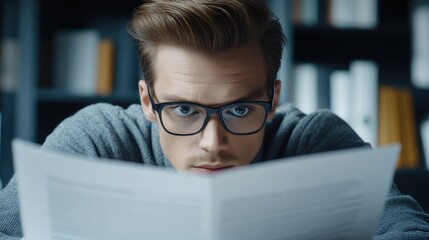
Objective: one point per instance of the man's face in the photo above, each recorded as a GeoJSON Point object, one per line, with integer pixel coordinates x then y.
{"type": "Point", "coordinates": [211, 80]}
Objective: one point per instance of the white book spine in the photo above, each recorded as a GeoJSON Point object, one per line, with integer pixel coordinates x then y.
{"type": "Point", "coordinates": [339, 97]}
{"type": "Point", "coordinates": [424, 132]}
{"type": "Point", "coordinates": [76, 61]}
{"type": "Point", "coordinates": [306, 87]}
{"type": "Point", "coordinates": [366, 13]}
{"type": "Point", "coordinates": [354, 13]}
{"type": "Point", "coordinates": [9, 65]}
{"type": "Point", "coordinates": [420, 29]}
{"type": "Point", "coordinates": [343, 13]}
{"type": "Point", "coordinates": [310, 12]}
{"type": "Point", "coordinates": [364, 102]}
{"type": "Point", "coordinates": [420, 36]}
{"type": "Point", "coordinates": [420, 70]}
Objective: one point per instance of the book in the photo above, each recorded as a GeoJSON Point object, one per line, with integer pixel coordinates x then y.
{"type": "Point", "coordinates": [388, 121]}
{"type": "Point", "coordinates": [354, 98]}
{"type": "Point", "coordinates": [353, 13]}
{"type": "Point", "coordinates": [331, 195]}
{"type": "Point", "coordinates": [342, 13]}
{"type": "Point", "coordinates": [305, 77]}
{"type": "Point", "coordinates": [76, 61]}
{"type": "Point", "coordinates": [420, 48]}
{"type": "Point", "coordinates": [305, 12]}
{"type": "Point", "coordinates": [424, 133]}
{"type": "Point", "coordinates": [125, 78]}
{"type": "Point", "coordinates": [339, 84]}
{"type": "Point", "coordinates": [408, 129]}
{"type": "Point", "coordinates": [105, 67]}
{"type": "Point", "coordinates": [363, 96]}
{"type": "Point", "coordinates": [420, 70]}
{"type": "Point", "coordinates": [9, 64]}
{"type": "Point", "coordinates": [365, 13]}
{"type": "Point", "coordinates": [296, 11]}
{"type": "Point", "coordinates": [397, 124]}
{"type": "Point", "coordinates": [311, 87]}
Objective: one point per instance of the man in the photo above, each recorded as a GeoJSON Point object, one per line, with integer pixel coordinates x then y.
{"type": "Point", "coordinates": [209, 102]}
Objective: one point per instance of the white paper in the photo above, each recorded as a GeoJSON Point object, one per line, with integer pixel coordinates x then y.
{"type": "Point", "coordinates": [336, 195]}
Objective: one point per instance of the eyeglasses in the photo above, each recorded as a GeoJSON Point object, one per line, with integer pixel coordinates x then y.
{"type": "Point", "coordinates": [185, 118]}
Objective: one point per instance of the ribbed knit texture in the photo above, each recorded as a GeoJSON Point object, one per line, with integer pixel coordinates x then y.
{"type": "Point", "coordinates": [107, 131]}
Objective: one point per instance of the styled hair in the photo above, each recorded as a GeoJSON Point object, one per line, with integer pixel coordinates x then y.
{"type": "Point", "coordinates": [208, 26]}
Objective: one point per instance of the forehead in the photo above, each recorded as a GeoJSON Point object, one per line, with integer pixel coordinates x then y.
{"type": "Point", "coordinates": [209, 78]}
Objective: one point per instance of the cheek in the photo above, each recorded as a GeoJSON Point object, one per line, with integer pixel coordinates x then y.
{"type": "Point", "coordinates": [175, 148]}
{"type": "Point", "coordinates": [247, 147]}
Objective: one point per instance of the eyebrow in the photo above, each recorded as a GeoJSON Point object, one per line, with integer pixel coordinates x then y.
{"type": "Point", "coordinates": [248, 97]}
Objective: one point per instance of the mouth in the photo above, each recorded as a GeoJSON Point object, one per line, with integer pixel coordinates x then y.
{"type": "Point", "coordinates": [208, 169]}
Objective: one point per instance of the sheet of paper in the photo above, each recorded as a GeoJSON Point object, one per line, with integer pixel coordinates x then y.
{"type": "Point", "coordinates": [65, 197]}
{"type": "Point", "coordinates": [335, 195]}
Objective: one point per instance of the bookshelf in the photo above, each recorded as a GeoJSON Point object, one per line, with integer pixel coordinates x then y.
{"type": "Point", "coordinates": [8, 32]}
{"type": "Point", "coordinates": [36, 107]}
{"type": "Point", "coordinates": [388, 44]}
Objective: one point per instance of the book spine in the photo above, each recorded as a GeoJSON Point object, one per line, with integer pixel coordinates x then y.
{"type": "Point", "coordinates": [76, 61]}
{"type": "Point", "coordinates": [366, 13]}
{"type": "Point", "coordinates": [306, 87]}
{"type": "Point", "coordinates": [105, 67]}
{"type": "Point", "coordinates": [343, 14]}
{"type": "Point", "coordinates": [353, 13]}
{"type": "Point", "coordinates": [9, 65]}
{"type": "Point", "coordinates": [424, 132]}
{"type": "Point", "coordinates": [364, 99]}
{"type": "Point", "coordinates": [420, 36]}
{"type": "Point", "coordinates": [388, 121]}
{"type": "Point", "coordinates": [408, 129]}
{"type": "Point", "coordinates": [309, 12]}
{"type": "Point", "coordinates": [339, 94]}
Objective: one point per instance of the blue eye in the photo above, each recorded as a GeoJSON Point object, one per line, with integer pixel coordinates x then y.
{"type": "Point", "coordinates": [184, 110]}
{"type": "Point", "coordinates": [239, 110]}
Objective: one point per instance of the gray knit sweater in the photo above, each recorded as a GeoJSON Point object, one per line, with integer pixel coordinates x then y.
{"type": "Point", "coordinates": [107, 131]}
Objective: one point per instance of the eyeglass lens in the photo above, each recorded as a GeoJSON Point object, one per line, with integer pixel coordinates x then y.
{"type": "Point", "coordinates": [189, 119]}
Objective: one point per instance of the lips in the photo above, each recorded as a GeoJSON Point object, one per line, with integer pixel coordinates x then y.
{"type": "Point", "coordinates": [207, 169]}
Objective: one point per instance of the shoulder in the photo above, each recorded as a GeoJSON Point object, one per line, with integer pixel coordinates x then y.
{"type": "Point", "coordinates": [103, 115]}
{"type": "Point", "coordinates": [291, 132]}
{"type": "Point", "coordinates": [105, 111]}
{"type": "Point", "coordinates": [101, 130]}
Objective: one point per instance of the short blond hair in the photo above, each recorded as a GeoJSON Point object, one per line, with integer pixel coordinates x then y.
{"type": "Point", "coordinates": [209, 26]}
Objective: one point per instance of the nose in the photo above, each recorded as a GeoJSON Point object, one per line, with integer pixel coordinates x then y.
{"type": "Point", "coordinates": [213, 138]}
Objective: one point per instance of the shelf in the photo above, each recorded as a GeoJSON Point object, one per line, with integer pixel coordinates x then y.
{"type": "Point", "coordinates": [315, 44]}
{"type": "Point", "coordinates": [56, 96]}
{"type": "Point", "coordinates": [54, 106]}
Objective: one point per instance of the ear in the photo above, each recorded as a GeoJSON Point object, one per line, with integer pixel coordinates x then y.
{"type": "Point", "coordinates": [145, 102]}
{"type": "Point", "coordinates": [277, 88]}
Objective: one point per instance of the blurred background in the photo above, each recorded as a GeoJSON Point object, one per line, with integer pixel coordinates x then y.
{"type": "Point", "coordinates": [366, 60]}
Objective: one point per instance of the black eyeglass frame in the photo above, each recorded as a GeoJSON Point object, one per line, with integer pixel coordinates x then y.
{"type": "Point", "coordinates": [268, 106]}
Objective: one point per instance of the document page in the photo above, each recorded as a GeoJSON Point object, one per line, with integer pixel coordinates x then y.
{"type": "Point", "coordinates": [334, 195]}
{"type": "Point", "coordinates": [68, 197]}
